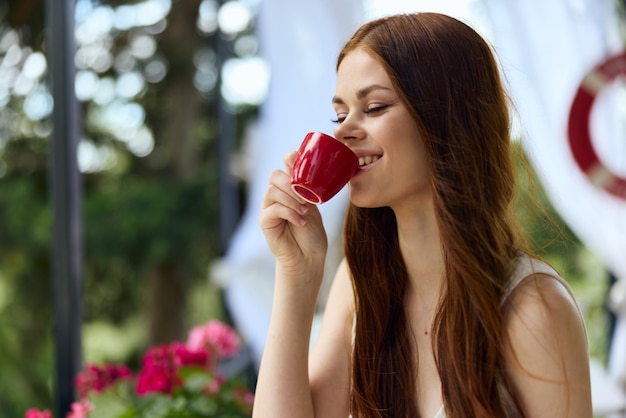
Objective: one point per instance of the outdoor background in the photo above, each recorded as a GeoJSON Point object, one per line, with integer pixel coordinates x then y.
{"type": "Point", "coordinates": [155, 81]}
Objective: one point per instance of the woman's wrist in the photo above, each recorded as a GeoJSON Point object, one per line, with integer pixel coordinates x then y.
{"type": "Point", "coordinates": [306, 276]}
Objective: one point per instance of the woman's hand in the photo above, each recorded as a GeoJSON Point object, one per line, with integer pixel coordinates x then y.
{"type": "Point", "coordinates": [295, 234]}
{"type": "Point", "coordinates": [293, 228]}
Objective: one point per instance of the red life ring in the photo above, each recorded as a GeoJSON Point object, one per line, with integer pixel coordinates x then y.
{"type": "Point", "coordinates": [579, 130]}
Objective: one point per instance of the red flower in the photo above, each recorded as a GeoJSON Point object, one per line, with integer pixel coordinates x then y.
{"type": "Point", "coordinates": [161, 365]}
{"type": "Point", "coordinates": [157, 380]}
{"type": "Point", "coordinates": [184, 356]}
{"type": "Point", "coordinates": [98, 378]}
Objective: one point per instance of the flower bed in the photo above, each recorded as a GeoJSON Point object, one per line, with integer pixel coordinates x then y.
{"type": "Point", "coordinates": [176, 380]}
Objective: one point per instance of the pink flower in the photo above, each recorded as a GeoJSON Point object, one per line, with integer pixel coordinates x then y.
{"type": "Point", "coordinates": [36, 413]}
{"type": "Point", "coordinates": [98, 378]}
{"type": "Point", "coordinates": [161, 365]}
{"type": "Point", "coordinates": [80, 409]}
{"type": "Point", "coordinates": [183, 356]}
{"type": "Point", "coordinates": [214, 335]}
{"type": "Point", "coordinates": [157, 380]}
{"type": "Point", "coordinates": [158, 373]}
{"type": "Point", "coordinates": [213, 387]}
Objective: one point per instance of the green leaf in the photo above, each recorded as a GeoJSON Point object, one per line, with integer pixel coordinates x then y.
{"type": "Point", "coordinates": [195, 380]}
{"type": "Point", "coordinates": [204, 406]}
{"type": "Point", "coordinates": [110, 404]}
{"type": "Point", "coordinates": [154, 406]}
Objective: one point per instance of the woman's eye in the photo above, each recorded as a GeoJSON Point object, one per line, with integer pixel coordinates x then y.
{"type": "Point", "coordinates": [375, 109]}
{"type": "Point", "coordinates": [370, 110]}
{"type": "Point", "coordinates": [340, 119]}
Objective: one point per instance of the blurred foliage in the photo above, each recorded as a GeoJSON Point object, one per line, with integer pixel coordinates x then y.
{"type": "Point", "coordinates": [547, 235]}
{"type": "Point", "coordinates": [150, 222]}
{"type": "Point", "coordinates": [25, 303]}
{"type": "Point", "coordinates": [137, 224]}
{"type": "Point", "coordinates": [552, 239]}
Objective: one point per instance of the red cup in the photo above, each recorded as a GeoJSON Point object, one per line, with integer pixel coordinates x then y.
{"type": "Point", "coordinates": [323, 165]}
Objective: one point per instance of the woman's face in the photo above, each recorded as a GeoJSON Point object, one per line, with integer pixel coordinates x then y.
{"type": "Point", "coordinates": [374, 122]}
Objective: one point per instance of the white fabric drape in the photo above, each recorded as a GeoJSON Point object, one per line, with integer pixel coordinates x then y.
{"type": "Point", "coordinates": [546, 48]}
{"type": "Point", "coordinates": [300, 41]}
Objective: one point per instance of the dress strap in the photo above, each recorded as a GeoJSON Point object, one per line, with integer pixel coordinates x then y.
{"type": "Point", "coordinates": [526, 266]}
{"type": "Point", "coordinates": [441, 413]}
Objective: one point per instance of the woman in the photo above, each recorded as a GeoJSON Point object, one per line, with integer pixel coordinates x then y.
{"type": "Point", "coordinates": [435, 311]}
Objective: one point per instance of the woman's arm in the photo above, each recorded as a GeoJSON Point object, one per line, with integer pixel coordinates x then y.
{"type": "Point", "coordinates": [548, 359]}
{"type": "Point", "coordinates": [295, 235]}
{"type": "Point", "coordinates": [283, 388]}
{"type": "Point", "coordinates": [330, 360]}
{"type": "Point", "coordinates": [284, 385]}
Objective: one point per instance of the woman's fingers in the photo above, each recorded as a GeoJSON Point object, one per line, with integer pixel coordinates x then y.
{"type": "Point", "coordinates": [279, 208]}
{"type": "Point", "coordinates": [288, 160]}
{"type": "Point", "coordinates": [279, 201]}
{"type": "Point", "coordinates": [282, 181]}
{"type": "Point", "coordinates": [282, 218]}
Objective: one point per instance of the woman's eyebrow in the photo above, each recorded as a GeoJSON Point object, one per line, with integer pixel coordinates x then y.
{"type": "Point", "coordinates": [362, 92]}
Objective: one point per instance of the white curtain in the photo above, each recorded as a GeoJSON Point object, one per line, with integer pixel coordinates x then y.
{"type": "Point", "coordinates": [300, 41]}
{"type": "Point", "coordinates": [546, 48]}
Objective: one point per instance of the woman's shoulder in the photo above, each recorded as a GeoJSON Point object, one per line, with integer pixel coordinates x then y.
{"type": "Point", "coordinates": [547, 349]}
{"type": "Point", "coordinates": [537, 294]}
{"type": "Point", "coordinates": [526, 267]}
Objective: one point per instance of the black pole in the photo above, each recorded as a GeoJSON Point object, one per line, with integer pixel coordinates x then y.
{"type": "Point", "coordinates": [65, 192]}
{"type": "Point", "coordinates": [611, 316]}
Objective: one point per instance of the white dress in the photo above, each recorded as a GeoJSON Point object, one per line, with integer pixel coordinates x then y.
{"type": "Point", "coordinates": [525, 266]}
{"type": "Point", "coordinates": [441, 413]}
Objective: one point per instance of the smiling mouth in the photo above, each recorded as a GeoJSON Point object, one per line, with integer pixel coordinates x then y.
{"type": "Point", "coordinates": [364, 161]}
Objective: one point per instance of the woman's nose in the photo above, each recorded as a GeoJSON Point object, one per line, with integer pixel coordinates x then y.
{"type": "Point", "coordinates": [348, 131]}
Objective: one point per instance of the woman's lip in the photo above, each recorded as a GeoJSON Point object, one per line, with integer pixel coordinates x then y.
{"type": "Point", "coordinates": [366, 153]}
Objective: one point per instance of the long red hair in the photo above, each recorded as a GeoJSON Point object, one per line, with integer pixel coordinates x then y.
{"type": "Point", "coordinates": [448, 78]}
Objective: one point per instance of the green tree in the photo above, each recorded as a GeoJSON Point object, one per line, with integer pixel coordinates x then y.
{"type": "Point", "coordinates": [151, 215]}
